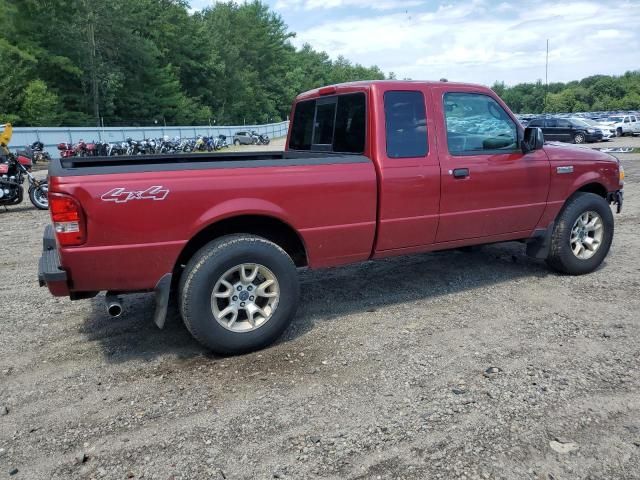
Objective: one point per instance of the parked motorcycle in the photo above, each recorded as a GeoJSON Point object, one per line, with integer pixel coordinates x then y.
{"type": "Point", "coordinates": [13, 170]}
{"type": "Point", "coordinates": [222, 142]}
{"type": "Point", "coordinates": [66, 150]}
{"type": "Point", "coordinates": [37, 152]}
{"type": "Point", "coordinates": [263, 139]}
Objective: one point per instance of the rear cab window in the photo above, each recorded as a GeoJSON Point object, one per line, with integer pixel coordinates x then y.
{"type": "Point", "coordinates": [330, 124]}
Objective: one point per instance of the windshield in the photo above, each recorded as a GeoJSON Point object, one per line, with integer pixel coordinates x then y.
{"type": "Point", "coordinates": [580, 122]}
{"type": "Point", "coordinates": [588, 121]}
{"type": "Point", "coordinates": [614, 119]}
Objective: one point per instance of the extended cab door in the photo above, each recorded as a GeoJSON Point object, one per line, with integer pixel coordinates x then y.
{"type": "Point", "coordinates": [489, 187]}
{"type": "Point", "coordinates": [407, 164]}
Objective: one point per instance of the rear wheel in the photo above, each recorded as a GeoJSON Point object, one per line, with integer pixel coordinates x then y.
{"type": "Point", "coordinates": [579, 138]}
{"type": "Point", "coordinates": [582, 235]}
{"type": "Point", "coordinates": [238, 294]}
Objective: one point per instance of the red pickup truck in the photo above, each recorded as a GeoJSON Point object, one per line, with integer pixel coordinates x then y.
{"type": "Point", "coordinates": [370, 170]}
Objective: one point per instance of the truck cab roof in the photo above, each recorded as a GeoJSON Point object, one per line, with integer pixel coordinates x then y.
{"type": "Point", "coordinates": [390, 84]}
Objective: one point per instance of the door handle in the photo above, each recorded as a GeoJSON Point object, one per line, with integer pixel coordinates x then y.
{"type": "Point", "coordinates": [459, 172]}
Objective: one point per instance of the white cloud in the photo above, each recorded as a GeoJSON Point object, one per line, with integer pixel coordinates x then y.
{"type": "Point", "coordinates": [483, 42]}
{"type": "Point", "coordinates": [328, 4]}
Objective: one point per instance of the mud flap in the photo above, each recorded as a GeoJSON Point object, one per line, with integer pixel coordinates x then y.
{"type": "Point", "coordinates": [540, 242]}
{"type": "Point", "coordinates": [162, 290]}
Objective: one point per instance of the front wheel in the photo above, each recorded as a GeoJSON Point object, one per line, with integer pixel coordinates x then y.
{"type": "Point", "coordinates": [579, 138]}
{"type": "Point", "coordinates": [39, 196]}
{"type": "Point", "coordinates": [619, 132]}
{"type": "Point", "coordinates": [238, 294]}
{"type": "Point", "coordinates": [582, 235]}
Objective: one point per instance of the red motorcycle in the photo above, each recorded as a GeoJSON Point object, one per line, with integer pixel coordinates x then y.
{"type": "Point", "coordinates": [78, 149]}
{"type": "Point", "coordinates": [66, 150]}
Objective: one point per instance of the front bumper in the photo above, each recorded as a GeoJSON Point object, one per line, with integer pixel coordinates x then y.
{"type": "Point", "coordinates": [50, 272]}
{"type": "Point", "coordinates": [593, 137]}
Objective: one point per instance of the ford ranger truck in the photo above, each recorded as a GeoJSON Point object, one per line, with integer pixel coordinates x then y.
{"type": "Point", "coordinates": [370, 170]}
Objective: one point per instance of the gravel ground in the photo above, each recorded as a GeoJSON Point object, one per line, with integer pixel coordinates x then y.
{"type": "Point", "coordinates": [445, 365]}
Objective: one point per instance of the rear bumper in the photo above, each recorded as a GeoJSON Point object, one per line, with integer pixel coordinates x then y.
{"type": "Point", "coordinates": [50, 272]}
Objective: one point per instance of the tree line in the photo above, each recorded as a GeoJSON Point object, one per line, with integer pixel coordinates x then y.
{"type": "Point", "coordinates": [591, 94]}
{"type": "Point", "coordinates": [145, 62]}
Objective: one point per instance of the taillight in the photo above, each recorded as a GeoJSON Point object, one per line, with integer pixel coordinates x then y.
{"type": "Point", "coordinates": [4, 168]}
{"type": "Point", "coordinates": [68, 219]}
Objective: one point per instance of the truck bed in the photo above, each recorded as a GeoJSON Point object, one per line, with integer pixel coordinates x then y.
{"type": "Point", "coordinates": [193, 161]}
{"type": "Point", "coordinates": [133, 238]}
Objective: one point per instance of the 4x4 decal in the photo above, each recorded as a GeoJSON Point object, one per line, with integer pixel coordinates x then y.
{"type": "Point", "coordinates": [121, 195]}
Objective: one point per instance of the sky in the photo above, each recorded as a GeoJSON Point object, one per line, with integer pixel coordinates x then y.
{"type": "Point", "coordinates": [479, 41]}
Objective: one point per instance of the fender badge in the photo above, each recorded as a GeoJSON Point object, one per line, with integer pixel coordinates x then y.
{"type": "Point", "coordinates": [121, 195]}
{"type": "Point", "coordinates": [565, 169]}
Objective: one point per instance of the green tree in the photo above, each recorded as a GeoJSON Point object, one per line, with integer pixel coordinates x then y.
{"type": "Point", "coordinates": [40, 106]}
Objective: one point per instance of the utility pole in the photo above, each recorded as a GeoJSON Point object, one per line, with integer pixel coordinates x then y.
{"type": "Point", "coordinates": [546, 78]}
{"type": "Point", "coordinates": [91, 38]}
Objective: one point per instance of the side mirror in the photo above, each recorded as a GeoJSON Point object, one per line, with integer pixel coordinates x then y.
{"type": "Point", "coordinates": [533, 139]}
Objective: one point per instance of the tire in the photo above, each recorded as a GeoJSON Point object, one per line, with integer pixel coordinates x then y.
{"type": "Point", "coordinates": [579, 138]}
{"type": "Point", "coordinates": [38, 196]}
{"type": "Point", "coordinates": [205, 271]}
{"type": "Point", "coordinates": [619, 132]}
{"type": "Point", "coordinates": [236, 143]}
{"type": "Point", "coordinates": [561, 253]}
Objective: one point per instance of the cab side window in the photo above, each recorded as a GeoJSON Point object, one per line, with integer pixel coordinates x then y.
{"type": "Point", "coordinates": [477, 124]}
{"type": "Point", "coordinates": [330, 124]}
{"type": "Point", "coordinates": [406, 124]}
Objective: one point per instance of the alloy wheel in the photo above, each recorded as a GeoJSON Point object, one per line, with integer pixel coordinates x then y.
{"type": "Point", "coordinates": [245, 297]}
{"type": "Point", "coordinates": [586, 235]}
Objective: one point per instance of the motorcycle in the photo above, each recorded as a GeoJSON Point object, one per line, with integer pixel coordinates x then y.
{"type": "Point", "coordinates": [222, 142]}
{"type": "Point", "coordinates": [13, 170]}
{"type": "Point", "coordinates": [263, 139]}
{"type": "Point", "coordinates": [66, 150]}
{"type": "Point", "coordinates": [36, 152]}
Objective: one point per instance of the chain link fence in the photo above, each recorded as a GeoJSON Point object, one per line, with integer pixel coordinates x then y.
{"type": "Point", "coordinates": [52, 136]}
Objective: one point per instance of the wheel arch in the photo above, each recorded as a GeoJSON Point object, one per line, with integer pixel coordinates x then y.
{"type": "Point", "coordinates": [592, 187]}
{"type": "Point", "coordinates": [265, 226]}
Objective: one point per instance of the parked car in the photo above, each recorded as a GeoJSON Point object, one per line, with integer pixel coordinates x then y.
{"type": "Point", "coordinates": [244, 138]}
{"type": "Point", "coordinates": [363, 176]}
{"type": "Point", "coordinates": [607, 130]}
{"type": "Point", "coordinates": [572, 130]}
{"type": "Point", "coordinates": [624, 124]}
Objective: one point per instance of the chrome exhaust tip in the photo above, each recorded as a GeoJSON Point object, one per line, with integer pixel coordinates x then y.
{"type": "Point", "coordinates": [113, 304]}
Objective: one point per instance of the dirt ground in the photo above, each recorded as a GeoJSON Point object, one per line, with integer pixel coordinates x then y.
{"type": "Point", "coordinates": [437, 366]}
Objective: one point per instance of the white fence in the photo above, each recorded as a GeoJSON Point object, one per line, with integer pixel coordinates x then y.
{"type": "Point", "coordinates": [52, 136]}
